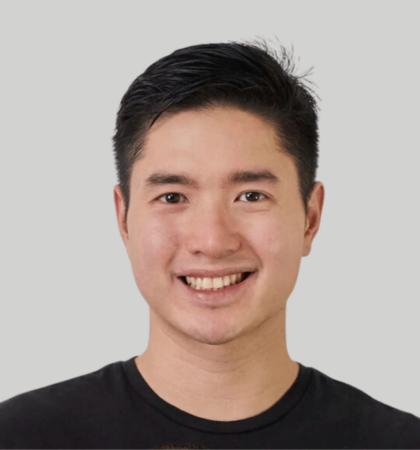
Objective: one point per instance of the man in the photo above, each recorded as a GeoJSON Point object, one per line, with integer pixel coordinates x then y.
{"type": "Point", "coordinates": [216, 152]}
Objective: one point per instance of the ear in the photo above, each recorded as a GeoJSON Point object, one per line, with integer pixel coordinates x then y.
{"type": "Point", "coordinates": [120, 209]}
{"type": "Point", "coordinates": [313, 217]}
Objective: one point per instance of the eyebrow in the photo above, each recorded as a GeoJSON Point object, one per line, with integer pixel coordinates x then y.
{"type": "Point", "coordinates": [235, 177]}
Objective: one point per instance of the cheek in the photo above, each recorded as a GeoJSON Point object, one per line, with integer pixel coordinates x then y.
{"type": "Point", "coordinates": [276, 241]}
{"type": "Point", "coordinates": [152, 246]}
{"type": "Point", "coordinates": [278, 245]}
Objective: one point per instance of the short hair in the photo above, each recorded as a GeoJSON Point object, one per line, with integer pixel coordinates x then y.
{"type": "Point", "coordinates": [246, 75]}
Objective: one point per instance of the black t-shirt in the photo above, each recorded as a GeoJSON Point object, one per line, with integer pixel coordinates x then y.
{"type": "Point", "coordinates": [114, 407]}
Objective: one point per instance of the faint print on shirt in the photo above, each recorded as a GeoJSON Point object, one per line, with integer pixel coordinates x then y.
{"type": "Point", "coordinates": [179, 446]}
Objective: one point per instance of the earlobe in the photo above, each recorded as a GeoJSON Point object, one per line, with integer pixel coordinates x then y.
{"type": "Point", "coordinates": [313, 218]}
{"type": "Point", "coordinates": [120, 210]}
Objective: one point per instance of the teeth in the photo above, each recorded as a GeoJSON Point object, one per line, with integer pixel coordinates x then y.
{"type": "Point", "coordinates": [214, 283]}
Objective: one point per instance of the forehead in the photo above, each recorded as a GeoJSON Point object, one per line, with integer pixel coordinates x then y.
{"type": "Point", "coordinates": [211, 128]}
{"type": "Point", "coordinates": [215, 142]}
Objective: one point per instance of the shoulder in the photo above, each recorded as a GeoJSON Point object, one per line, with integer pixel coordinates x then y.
{"type": "Point", "coordinates": [350, 409]}
{"type": "Point", "coordinates": [34, 418]}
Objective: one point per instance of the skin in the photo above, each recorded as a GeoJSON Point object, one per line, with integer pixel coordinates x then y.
{"type": "Point", "coordinates": [224, 363]}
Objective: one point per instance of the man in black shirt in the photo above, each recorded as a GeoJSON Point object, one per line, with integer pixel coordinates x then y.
{"type": "Point", "coordinates": [216, 151]}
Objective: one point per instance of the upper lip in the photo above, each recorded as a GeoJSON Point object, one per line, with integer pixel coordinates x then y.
{"type": "Point", "coordinates": [213, 273]}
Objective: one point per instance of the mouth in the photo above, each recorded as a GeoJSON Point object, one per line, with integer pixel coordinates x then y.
{"type": "Point", "coordinates": [244, 277]}
{"type": "Point", "coordinates": [219, 297]}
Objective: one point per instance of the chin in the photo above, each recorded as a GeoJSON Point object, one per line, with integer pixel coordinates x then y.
{"type": "Point", "coordinates": [218, 335]}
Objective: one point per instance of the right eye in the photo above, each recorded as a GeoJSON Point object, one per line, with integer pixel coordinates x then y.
{"type": "Point", "coordinates": [173, 196]}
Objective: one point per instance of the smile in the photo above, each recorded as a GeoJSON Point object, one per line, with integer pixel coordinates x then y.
{"type": "Point", "coordinates": [218, 297]}
{"type": "Point", "coordinates": [215, 283]}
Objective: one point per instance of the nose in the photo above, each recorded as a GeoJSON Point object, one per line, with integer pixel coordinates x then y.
{"type": "Point", "coordinates": [212, 230]}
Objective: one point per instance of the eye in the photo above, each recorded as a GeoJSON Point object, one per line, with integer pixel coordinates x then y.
{"type": "Point", "coordinates": [252, 197]}
{"type": "Point", "coordinates": [174, 196]}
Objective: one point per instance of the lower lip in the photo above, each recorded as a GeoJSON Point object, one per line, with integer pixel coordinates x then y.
{"type": "Point", "coordinates": [222, 297]}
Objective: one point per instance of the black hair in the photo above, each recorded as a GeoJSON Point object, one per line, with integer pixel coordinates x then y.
{"type": "Point", "coordinates": [248, 76]}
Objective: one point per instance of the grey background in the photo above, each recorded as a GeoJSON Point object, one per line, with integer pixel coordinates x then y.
{"type": "Point", "coordinates": [68, 300]}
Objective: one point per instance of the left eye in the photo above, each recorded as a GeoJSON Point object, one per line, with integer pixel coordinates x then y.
{"type": "Point", "coordinates": [252, 198]}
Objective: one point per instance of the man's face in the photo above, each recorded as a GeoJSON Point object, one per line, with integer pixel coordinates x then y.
{"type": "Point", "coordinates": [214, 225]}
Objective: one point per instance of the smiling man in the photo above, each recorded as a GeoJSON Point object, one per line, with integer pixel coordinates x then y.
{"type": "Point", "coordinates": [216, 152]}
{"type": "Point", "coordinates": [217, 258]}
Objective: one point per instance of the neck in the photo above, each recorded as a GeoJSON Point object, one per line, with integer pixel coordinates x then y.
{"type": "Point", "coordinates": [231, 381]}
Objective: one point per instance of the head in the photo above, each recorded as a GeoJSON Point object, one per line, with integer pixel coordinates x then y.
{"type": "Point", "coordinates": [239, 130]}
